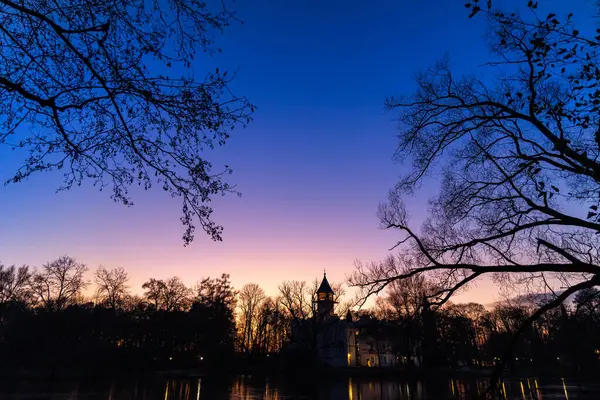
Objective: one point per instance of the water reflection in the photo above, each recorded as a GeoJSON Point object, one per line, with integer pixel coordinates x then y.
{"type": "Point", "coordinates": [250, 388]}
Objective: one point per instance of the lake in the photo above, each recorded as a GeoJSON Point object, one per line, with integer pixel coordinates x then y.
{"type": "Point", "coordinates": [249, 388]}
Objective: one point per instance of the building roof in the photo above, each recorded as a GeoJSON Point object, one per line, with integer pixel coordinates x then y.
{"type": "Point", "coordinates": [325, 287]}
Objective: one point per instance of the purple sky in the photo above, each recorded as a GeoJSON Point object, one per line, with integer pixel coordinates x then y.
{"type": "Point", "coordinates": [312, 166]}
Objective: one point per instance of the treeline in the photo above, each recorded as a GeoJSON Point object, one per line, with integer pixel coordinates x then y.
{"type": "Point", "coordinates": [46, 322]}
{"type": "Point", "coordinates": [455, 335]}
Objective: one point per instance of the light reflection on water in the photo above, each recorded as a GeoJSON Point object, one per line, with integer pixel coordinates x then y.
{"type": "Point", "coordinates": [248, 388]}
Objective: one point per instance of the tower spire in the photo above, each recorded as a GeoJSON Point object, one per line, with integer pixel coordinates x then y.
{"type": "Point", "coordinates": [325, 301]}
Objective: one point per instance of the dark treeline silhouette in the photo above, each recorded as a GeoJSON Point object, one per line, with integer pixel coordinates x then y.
{"type": "Point", "coordinates": [473, 336]}
{"type": "Point", "coordinates": [515, 150]}
{"type": "Point", "coordinates": [48, 324]}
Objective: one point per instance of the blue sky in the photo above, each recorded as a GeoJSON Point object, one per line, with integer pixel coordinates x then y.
{"type": "Point", "coordinates": [312, 166]}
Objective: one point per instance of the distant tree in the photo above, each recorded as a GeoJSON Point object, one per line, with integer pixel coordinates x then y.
{"type": "Point", "coordinates": [169, 295]}
{"type": "Point", "coordinates": [250, 298]}
{"type": "Point", "coordinates": [216, 292]}
{"type": "Point", "coordinates": [583, 324]}
{"type": "Point", "coordinates": [458, 333]}
{"type": "Point", "coordinates": [402, 298]}
{"type": "Point", "coordinates": [268, 337]}
{"type": "Point", "coordinates": [58, 283]}
{"type": "Point", "coordinates": [296, 299]}
{"type": "Point", "coordinates": [14, 283]}
{"type": "Point", "coordinates": [587, 302]}
{"type": "Point", "coordinates": [175, 296]}
{"type": "Point", "coordinates": [212, 319]}
{"type": "Point", "coordinates": [153, 292]}
{"type": "Point", "coordinates": [111, 286]}
{"type": "Point", "coordinates": [477, 314]}
{"type": "Point", "coordinates": [109, 92]}
{"type": "Point", "coordinates": [404, 302]}
{"type": "Point", "coordinates": [133, 303]}
{"type": "Point", "coordinates": [519, 164]}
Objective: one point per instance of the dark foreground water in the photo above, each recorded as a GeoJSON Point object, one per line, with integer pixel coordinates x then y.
{"type": "Point", "coordinates": [249, 388]}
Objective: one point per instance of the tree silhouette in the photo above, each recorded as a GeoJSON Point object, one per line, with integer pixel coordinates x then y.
{"type": "Point", "coordinates": [169, 295]}
{"type": "Point", "coordinates": [108, 91]}
{"type": "Point", "coordinates": [250, 299]}
{"type": "Point", "coordinates": [519, 166]}
{"type": "Point", "coordinates": [111, 286]}
{"type": "Point", "coordinates": [176, 296]}
{"type": "Point", "coordinates": [58, 283]}
{"type": "Point", "coordinates": [54, 332]}
{"type": "Point", "coordinates": [296, 298]}
{"type": "Point", "coordinates": [212, 318]}
{"type": "Point", "coordinates": [153, 293]}
{"type": "Point", "coordinates": [14, 283]}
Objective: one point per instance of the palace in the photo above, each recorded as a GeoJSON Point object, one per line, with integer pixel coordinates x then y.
{"type": "Point", "coordinates": [343, 342]}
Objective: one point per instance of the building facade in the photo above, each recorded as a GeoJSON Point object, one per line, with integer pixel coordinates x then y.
{"type": "Point", "coordinates": [343, 342]}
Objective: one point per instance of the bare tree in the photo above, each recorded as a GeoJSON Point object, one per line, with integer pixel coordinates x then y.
{"type": "Point", "coordinates": [403, 298]}
{"type": "Point", "coordinates": [519, 164]}
{"type": "Point", "coordinates": [269, 326]}
{"type": "Point", "coordinates": [474, 316]}
{"type": "Point", "coordinates": [176, 296]}
{"type": "Point", "coordinates": [153, 292]}
{"type": "Point", "coordinates": [134, 303]}
{"type": "Point", "coordinates": [250, 299]}
{"type": "Point", "coordinates": [296, 298]}
{"type": "Point", "coordinates": [14, 283]}
{"type": "Point", "coordinates": [108, 92]}
{"type": "Point", "coordinates": [58, 283]}
{"type": "Point", "coordinates": [111, 286]}
{"type": "Point", "coordinates": [216, 292]}
{"type": "Point", "coordinates": [344, 303]}
{"type": "Point", "coordinates": [169, 295]}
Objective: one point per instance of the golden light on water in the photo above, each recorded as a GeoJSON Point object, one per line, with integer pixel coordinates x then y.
{"type": "Point", "coordinates": [565, 388]}
{"type": "Point", "coordinates": [350, 396]}
{"type": "Point", "coordinates": [367, 389]}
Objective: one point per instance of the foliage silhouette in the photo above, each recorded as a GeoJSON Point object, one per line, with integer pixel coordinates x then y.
{"type": "Point", "coordinates": [518, 158]}
{"type": "Point", "coordinates": [109, 93]}
{"type": "Point", "coordinates": [214, 329]}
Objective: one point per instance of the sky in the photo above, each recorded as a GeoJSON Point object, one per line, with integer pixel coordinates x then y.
{"type": "Point", "coordinates": [312, 166]}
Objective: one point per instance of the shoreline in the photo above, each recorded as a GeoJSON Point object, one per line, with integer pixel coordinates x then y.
{"type": "Point", "coordinates": [319, 373]}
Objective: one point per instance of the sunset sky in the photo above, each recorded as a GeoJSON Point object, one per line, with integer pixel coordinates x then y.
{"type": "Point", "coordinates": [312, 166]}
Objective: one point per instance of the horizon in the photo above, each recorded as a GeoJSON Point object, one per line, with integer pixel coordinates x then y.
{"type": "Point", "coordinates": [134, 289]}
{"type": "Point", "coordinates": [311, 167]}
